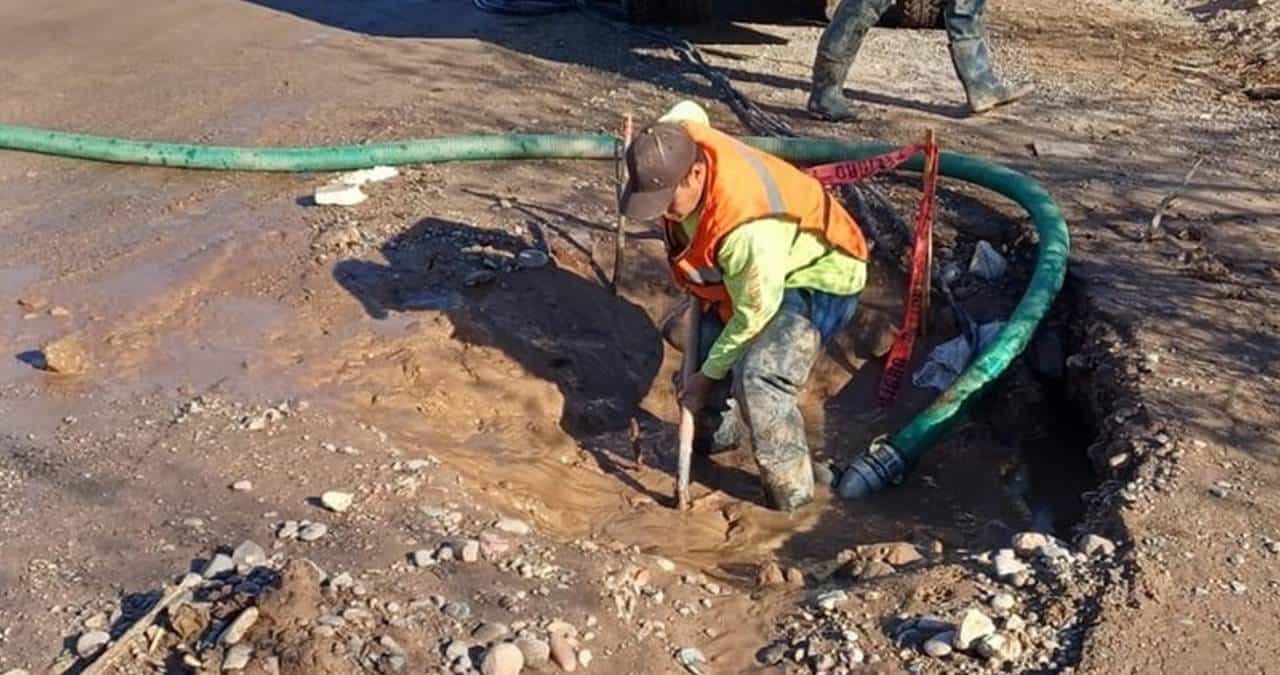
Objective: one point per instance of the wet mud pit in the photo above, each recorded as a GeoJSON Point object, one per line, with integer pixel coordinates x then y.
{"type": "Point", "coordinates": [554, 398]}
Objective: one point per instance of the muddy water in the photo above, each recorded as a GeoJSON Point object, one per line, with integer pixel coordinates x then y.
{"type": "Point", "coordinates": [525, 392]}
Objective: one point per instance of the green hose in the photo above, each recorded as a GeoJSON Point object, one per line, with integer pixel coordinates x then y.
{"type": "Point", "coordinates": [885, 461]}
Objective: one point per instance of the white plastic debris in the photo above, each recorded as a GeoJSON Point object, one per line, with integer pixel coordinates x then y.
{"type": "Point", "coordinates": [949, 358]}
{"type": "Point", "coordinates": [339, 194]}
{"type": "Point", "coordinates": [987, 263]}
{"type": "Point", "coordinates": [374, 175]}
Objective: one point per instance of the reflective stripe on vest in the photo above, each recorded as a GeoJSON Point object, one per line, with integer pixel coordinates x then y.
{"type": "Point", "coordinates": [770, 185]}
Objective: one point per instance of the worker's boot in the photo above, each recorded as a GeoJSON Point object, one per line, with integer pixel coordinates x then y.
{"type": "Point", "coordinates": [788, 483]}
{"type": "Point", "coordinates": [982, 88]}
{"type": "Point", "coordinates": [836, 50]}
{"type": "Point", "coordinates": [826, 98]}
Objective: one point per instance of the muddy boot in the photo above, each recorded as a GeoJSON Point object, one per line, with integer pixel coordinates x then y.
{"type": "Point", "coordinates": [789, 483]}
{"type": "Point", "coordinates": [836, 50]}
{"type": "Point", "coordinates": [982, 88]}
{"type": "Point", "coordinates": [718, 428]}
{"type": "Point", "coordinates": [826, 98]}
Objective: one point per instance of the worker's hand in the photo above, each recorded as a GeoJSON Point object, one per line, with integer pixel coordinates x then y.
{"type": "Point", "coordinates": [694, 393]}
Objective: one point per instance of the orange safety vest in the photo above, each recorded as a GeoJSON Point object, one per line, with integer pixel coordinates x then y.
{"type": "Point", "coordinates": [745, 184]}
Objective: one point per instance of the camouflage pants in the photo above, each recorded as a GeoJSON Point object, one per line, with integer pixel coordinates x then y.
{"type": "Point", "coordinates": [853, 18]}
{"type": "Point", "coordinates": [760, 398]}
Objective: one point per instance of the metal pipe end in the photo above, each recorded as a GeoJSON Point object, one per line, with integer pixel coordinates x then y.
{"type": "Point", "coordinates": [871, 471]}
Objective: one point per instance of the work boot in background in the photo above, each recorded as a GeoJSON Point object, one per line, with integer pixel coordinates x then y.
{"type": "Point", "coordinates": [836, 51]}
{"type": "Point", "coordinates": [966, 31]}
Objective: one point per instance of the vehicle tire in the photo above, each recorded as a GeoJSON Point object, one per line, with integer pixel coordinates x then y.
{"type": "Point", "coordinates": [914, 14]}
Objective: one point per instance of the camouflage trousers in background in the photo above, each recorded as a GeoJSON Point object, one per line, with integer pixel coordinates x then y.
{"type": "Point", "coordinates": [760, 398]}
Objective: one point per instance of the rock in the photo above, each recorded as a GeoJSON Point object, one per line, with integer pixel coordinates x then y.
{"type": "Point", "coordinates": [89, 643]}
{"type": "Point", "coordinates": [665, 565]}
{"type": "Point", "coordinates": [248, 554]}
{"type": "Point", "coordinates": [60, 312]}
{"type": "Point", "coordinates": [974, 626]}
{"type": "Point", "coordinates": [1029, 542]}
{"type": "Point", "coordinates": [458, 611]}
{"type": "Point", "coordinates": [470, 551]}
{"type": "Point", "coordinates": [1092, 544]}
{"type": "Point", "coordinates": [493, 545]}
{"type": "Point", "coordinates": [770, 575]}
{"type": "Point", "coordinates": [371, 175]}
{"type": "Point", "coordinates": [901, 553]}
{"type": "Point", "coordinates": [1238, 587]}
{"type": "Point", "coordinates": [339, 194]}
{"type": "Point", "coordinates": [335, 501]}
{"type": "Point", "coordinates": [832, 599]}
{"type": "Point", "coordinates": [562, 628]}
{"type": "Point", "coordinates": [513, 526]}
{"type": "Point", "coordinates": [562, 653]}
{"type": "Point", "coordinates": [235, 631]}
{"type": "Point", "coordinates": [65, 356]}
{"type": "Point", "coordinates": [939, 645]}
{"type": "Point", "coordinates": [532, 259]}
{"type": "Point", "coordinates": [242, 486]}
{"type": "Point", "coordinates": [389, 643]}
{"type": "Point", "coordinates": [584, 657]}
{"type": "Point", "coordinates": [693, 660]}
{"type": "Point", "coordinates": [221, 564]}
{"type": "Point", "coordinates": [423, 558]}
{"type": "Point", "coordinates": [479, 277]}
{"type": "Point", "coordinates": [17, 671]}
{"type": "Point", "coordinates": [795, 578]}
{"type": "Point", "coordinates": [489, 632]}
{"type": "Point", "coordinates": [1014, 623]}
{"type": "Point", "coordinates": [536, 652]}
{"type": "Point", "coordinates": [868, 569]}
{"type": "Point", "coordinates": [444, 553]}
{"type": "Point", "coordinates": [237, 658]}
{"type": "Point", "coordinates": [288, 530]}
{"type": "Point", "coordinates": [1007, 565]}
{"type": "Point", "coordinates": [313, 531]}
{"type": "Point", "coordinates": [773, 654]}
{"type": "Point", "coordinates": [1003, 602]}
{"type": "Point", "coordinates": [997, 647]}
{"type": "Point", "coordinates": [455, 650]}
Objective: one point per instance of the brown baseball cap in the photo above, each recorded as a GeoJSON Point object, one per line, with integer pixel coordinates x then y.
{"type": "Point", "coordinates": [658, 158]}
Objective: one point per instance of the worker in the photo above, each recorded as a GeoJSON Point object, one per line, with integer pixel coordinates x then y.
{"type": "Point", "coordinates": [969, 54]}
{"type": "Point", "coordinates": [776, 264]}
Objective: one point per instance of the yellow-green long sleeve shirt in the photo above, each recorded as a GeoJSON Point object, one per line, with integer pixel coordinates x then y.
{"type": "Point", "coordinates": [758, 261]}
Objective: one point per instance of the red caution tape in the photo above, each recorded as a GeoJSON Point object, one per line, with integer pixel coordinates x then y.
{"type": "Point", "coordinates": [858, 170]}
{"type": "Point", "coordinates": [900, 354]}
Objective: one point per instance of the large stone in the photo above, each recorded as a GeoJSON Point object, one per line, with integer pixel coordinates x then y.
{"type": "Point", "coordinates": [423, 558]}
{"type": "Point", "coordinates": [1003, 602]}
{"type": "Point", "coordinates": [336, 501]}
{"type": "Point", "coordinates": [770, 574]}
{"type": "Point", "coordinates": [221, 564]}
{"type": "Point", "coordinates": [1028, 543]}
{"type": "Point", "coordinates": [901, 553]}
{"type": "Point", "coordinates": [513, 526]}
{"type": "Point", "coordinates": [831, 599]}
{"type": "Point", "coordinates": [313, 531]}
{"type": "Point", "coordinates": [536, 652]}
{"type": "Point", "coordinates": [939, 645]}
{"type": "Point", "coordinates": [339, 194]}
{"type": "Point", "coordinates": [89, 643]}
{"type": "Point", "coordinates": [998, 647]}
{"type": "Point", "coordinates": [455, 650]}
{"type": "Point", "coordinates": [235, 631]}
{"type": "Point", "coordinates": [488, 632]}
{"type": "Point", "coordinates": [249, 554]}
{"type": "Point", "coordinates": [1092, 544]}
{"type": "Point", "coordinates": [503, 659]}
{"type": "Point", "coordinates": [562, 653]}
{"type": "Point", "coordinates": [237, 658]}
{"type": "Point", "coordinates": [974, 626]}
{"type": "Point", "coordinates": [65, 356]}
{"type": "Point", "coordinates": [1007, 566]}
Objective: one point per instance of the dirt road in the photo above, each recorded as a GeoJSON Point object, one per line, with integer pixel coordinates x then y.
{"type": "Point", "coordinates": [237, 333]}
